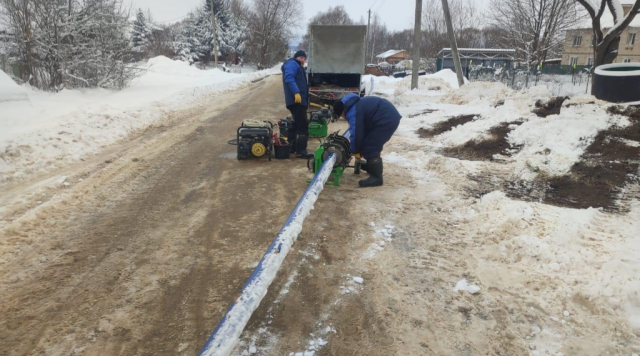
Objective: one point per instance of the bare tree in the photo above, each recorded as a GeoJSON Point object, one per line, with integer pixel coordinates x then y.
{"type": "Point", "coordinates": [401, 40]}
{"type": "Point", "coordinates": [378, 37]}
{"type": "Point", "coordinates": [270, 27]}
{"type": "Point", "coordinates": [239, 9]}
{"type": "Point", "coordinates": [535, 28]}
{"type": "Point", "coordinates": [465, 20]}
{"type": "Point", "coordinates": [607, 40]}
{"type": "Point", "coordinates": [493, 37]}
{"type": "Point", "coordinates": [333, 16]}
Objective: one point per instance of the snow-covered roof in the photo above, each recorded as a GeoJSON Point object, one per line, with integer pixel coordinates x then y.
{"type": "Point", "coordinates": [553, 60]}
{"type": "Point", "coordinates": [499, 50]}
{"type": "Point", "coordinates": [389, 53]}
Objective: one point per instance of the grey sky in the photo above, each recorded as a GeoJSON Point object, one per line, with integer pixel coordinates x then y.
{"type": "Point", "coordinates": [397, 14]}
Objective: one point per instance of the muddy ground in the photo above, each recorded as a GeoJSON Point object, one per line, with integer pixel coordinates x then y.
{"type": "Point", "coordinates": [145, 250]}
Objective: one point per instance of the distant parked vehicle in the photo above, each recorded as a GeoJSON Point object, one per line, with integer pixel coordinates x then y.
{"type": "Point", "coordinates": [405, 73]}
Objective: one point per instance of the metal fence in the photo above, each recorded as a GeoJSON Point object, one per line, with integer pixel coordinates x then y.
{"type": "Point", "coordinates": [559, 83]}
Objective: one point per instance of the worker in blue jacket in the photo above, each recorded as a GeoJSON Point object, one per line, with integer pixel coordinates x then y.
{"type": "Point", "coordinates": [296, 95]}
{"type": "Point", "coordinates": [372, 122]}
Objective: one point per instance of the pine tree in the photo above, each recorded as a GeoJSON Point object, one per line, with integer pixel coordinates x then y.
{"type": "Point", "coordinates": [187, 41]}
{"type": "Point", "coordinates": [205, 31]}
{"type": "Point", "coordinates": [235, 37]}
{"type": "Point", "coordinates": [141, 34]}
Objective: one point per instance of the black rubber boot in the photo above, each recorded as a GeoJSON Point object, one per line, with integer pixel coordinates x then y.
{"type": "Point", "coordinates": [374, 168]}
{"type": "Point", "coordinates": [301, 147]}
{"type": "Point", "coordinates": [291, 137]}
{"type": "Point", "coordinates": [364, 166]}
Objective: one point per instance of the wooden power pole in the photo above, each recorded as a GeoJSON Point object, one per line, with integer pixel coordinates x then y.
{"type": "Point", "coordinates": [366, 51]}
{"type": "Point", "coordinates": [417, 39]}
{"type": "Point", "coordinates": [215, 35]}
{"type": "Point", "coordinates": [452, 40]}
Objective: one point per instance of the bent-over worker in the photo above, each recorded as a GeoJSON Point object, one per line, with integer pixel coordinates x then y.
{"type": "Point", "coordinates": [372, 122]}
{"type": "Point", "coordinates": [296, 95]}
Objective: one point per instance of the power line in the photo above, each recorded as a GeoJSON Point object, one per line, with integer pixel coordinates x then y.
{"type": "Point", "coordinates": [177, 18]}
{"type": "Point", "coordinates": [381, 4]}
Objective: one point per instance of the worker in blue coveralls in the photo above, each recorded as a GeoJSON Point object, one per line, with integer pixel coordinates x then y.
{"type": "Point", "coordinates": [296, 95]}
{"type": "Point", "coordinates": [372, 122]}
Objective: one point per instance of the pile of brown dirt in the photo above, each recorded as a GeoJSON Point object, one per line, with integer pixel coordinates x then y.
{"type": "Point", "coordinates": [551, 107]}
{"type": "Point", "coordinates": [484, 150]}
{"type": "Point", "coordinates": [375, 71]}
{"type": "Point", "coordinates": [445, 126]}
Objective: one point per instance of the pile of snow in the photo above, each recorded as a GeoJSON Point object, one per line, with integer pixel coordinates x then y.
{"type": "Point", "coordinates": [398, 90]}
{"type": "Point", "coordinates": [554, 144]}
{"type": "Point", "coordinates": [448, 76]}
{"type": "Point", "coordinates": [463, 285]}
{"type": "Point", "coordinates": [479, 91]}
{"type": "Point", "coordinates": [595, 255]}
{"type": "Point", "coordinates": [55, 129]}
{"type": "Point", "coordinates": [549, 145]}
{"type": "Point", "coordinates": [9, 90]}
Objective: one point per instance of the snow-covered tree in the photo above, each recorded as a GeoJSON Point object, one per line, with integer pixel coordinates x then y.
{"type": "Point", "coordinates": [71, 43]}
{"type": "Point", "coordinates": [606, 40]}
{"type": "Point", "coordinates": [196, 43]}
{"type": "Point", "coordinates": [235, 38]}
{"type": "Point", "coordinates": [187, 40]}
{"type": "Point", "coordinates": [141, 33]}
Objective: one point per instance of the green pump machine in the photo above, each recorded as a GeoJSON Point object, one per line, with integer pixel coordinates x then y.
{"type": "Point", "coordinates": [319, 123]}
{"type": "Point", "coordinates": [341, 147]}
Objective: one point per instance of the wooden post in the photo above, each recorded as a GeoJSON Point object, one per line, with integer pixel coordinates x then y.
{"type": "Point", "coordinates": [215, 35]}
{"type": "Point", "coordinates": [366, 51]}
{"type": "Point", "coordinates": [452, 40]}
{"type": "Point", "coordinates": [417, 39]}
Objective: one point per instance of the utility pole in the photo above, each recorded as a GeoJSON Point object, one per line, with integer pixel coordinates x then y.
{"type": "Point", "coordinates": [368, 33]}
{"type": "Point", "coordinates": [215, 35]}
{"type": "Point", "coordinates": [452, 40]}
{"type": "Point", "coordinates": [417, 39]}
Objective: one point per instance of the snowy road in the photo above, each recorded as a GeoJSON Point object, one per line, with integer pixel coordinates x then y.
{"type": "Point", "coordinates": [143, 249]}
{"type": "Point", "coordinates": [140, 249]}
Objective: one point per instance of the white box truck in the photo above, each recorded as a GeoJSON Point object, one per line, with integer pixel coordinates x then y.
{"type": "Point", "coordinates": [336, 61]}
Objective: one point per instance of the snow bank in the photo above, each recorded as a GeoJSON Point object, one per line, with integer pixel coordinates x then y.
{"type": "Point", "coordinates": [59, 128]}
{"type": "Point", "coordinates": [430, 85]}
{"type": "Point", "coordinates": [9, 90]}
{"type": "Point", "coordinates": [448, 76]}
{"type": "Point", "coordinates": [595, 255]}
{"type": "Point", "coordinates": [479, 91]}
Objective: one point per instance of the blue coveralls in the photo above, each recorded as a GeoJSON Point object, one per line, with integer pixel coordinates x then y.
{"type": "Point", "coordinates": [294, 80]}
{"type": "Point", "coordinates": [372, 122]}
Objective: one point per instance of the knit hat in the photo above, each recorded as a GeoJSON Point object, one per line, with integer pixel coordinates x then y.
{"type": "Point", "coordinates": [300, 53]}
{"type": "Point", "coordinates": [338, 108]}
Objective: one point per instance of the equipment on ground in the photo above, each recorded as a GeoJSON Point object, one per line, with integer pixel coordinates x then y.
{"type": "Point", "coordinates": [319, 123]}
{"type": "Point", "coordinates": [284, 125]}
{"type": "Point", "coordinates": [255, 139]}
{"type": "Point", "coordinates": [341, 147]}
